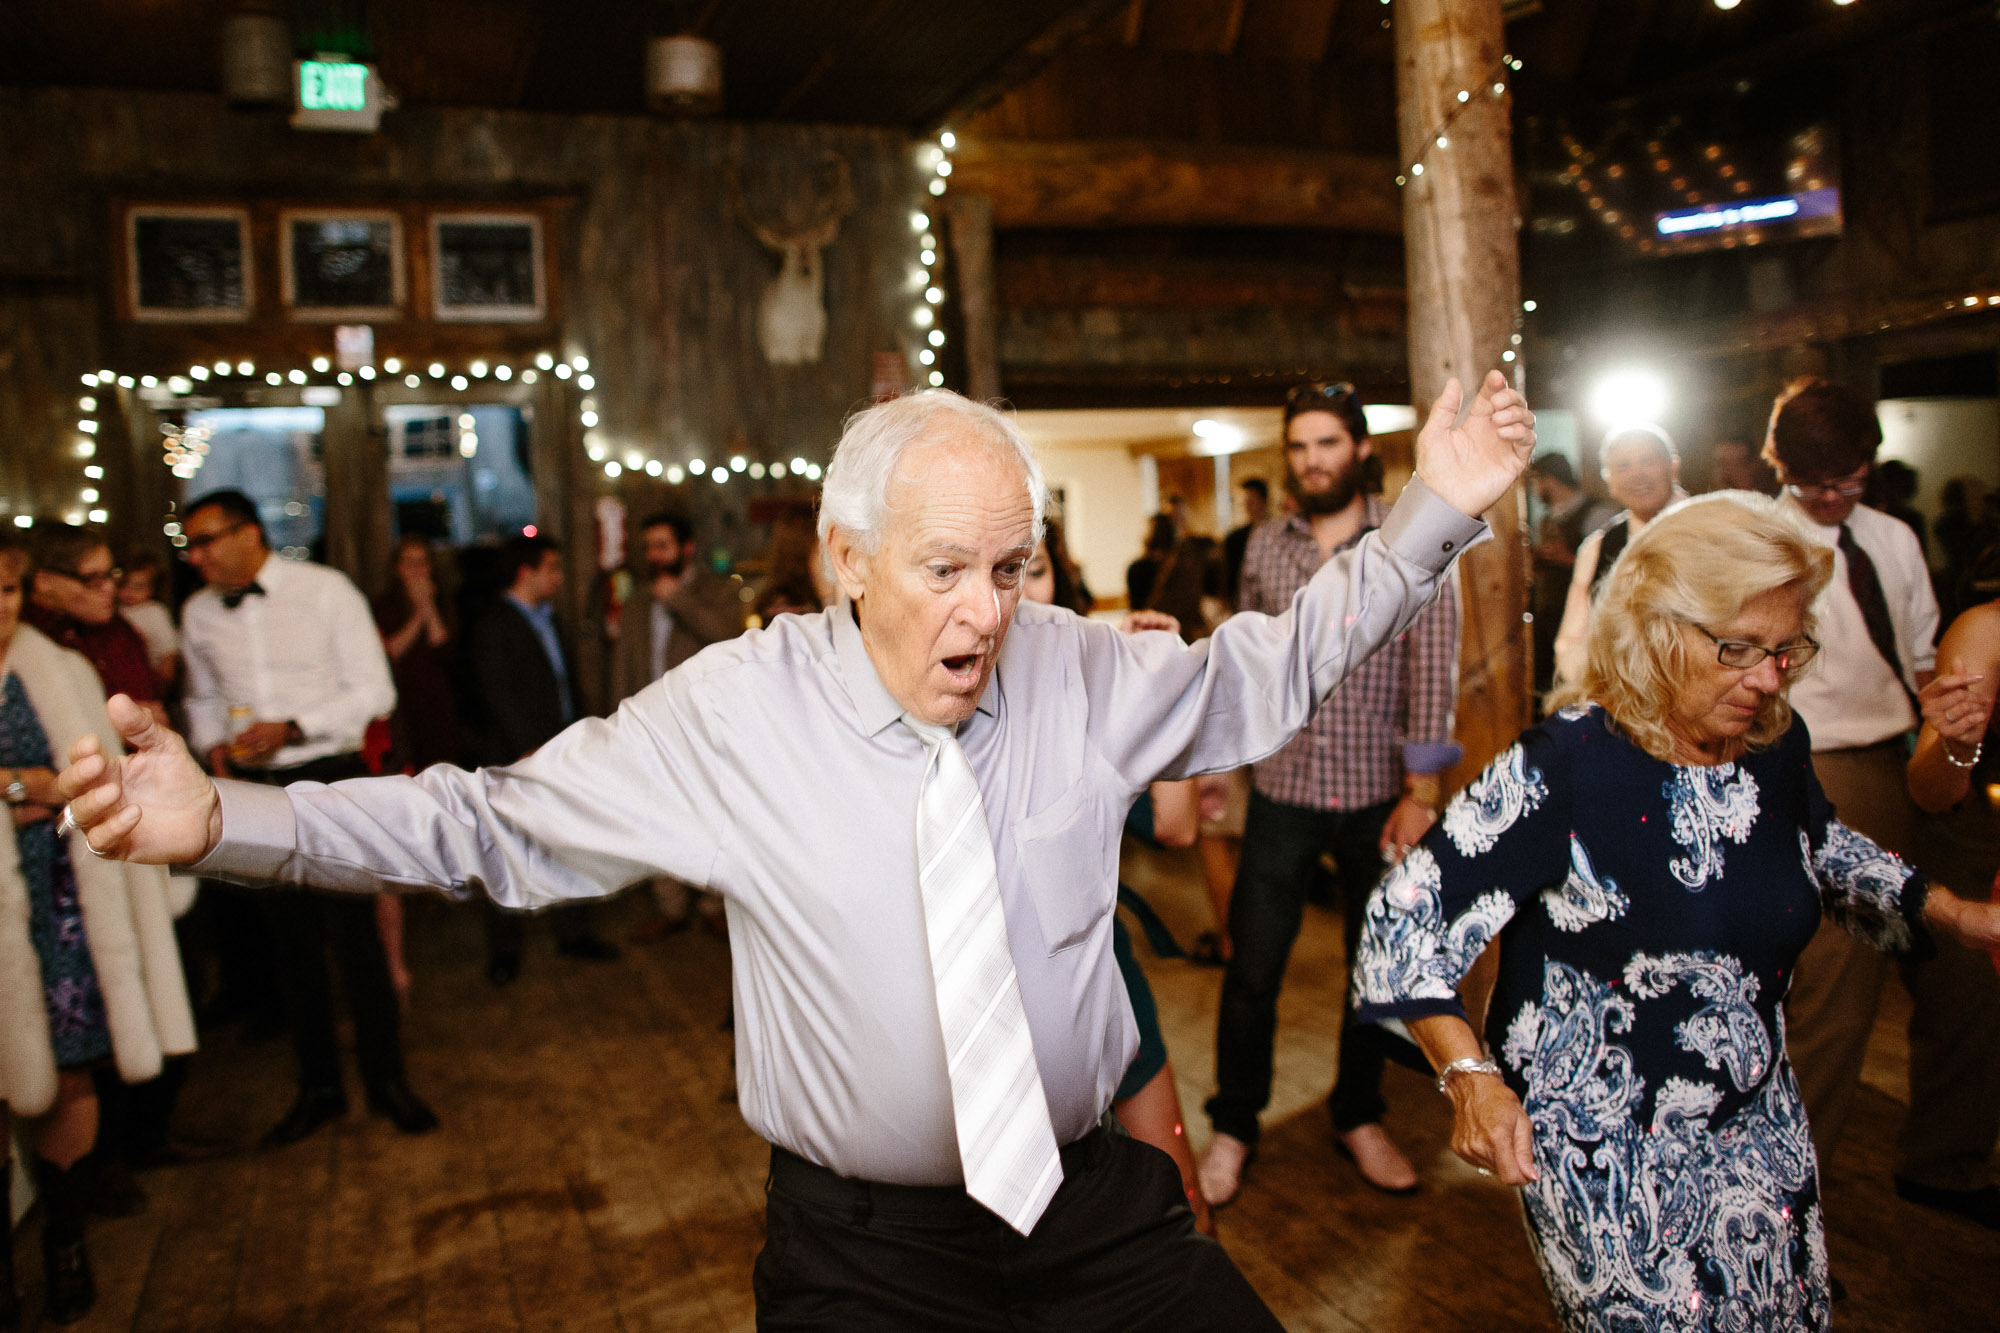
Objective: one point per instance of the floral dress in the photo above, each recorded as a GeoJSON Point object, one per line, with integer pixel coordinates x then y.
{"type": "Point", "coordinates": [78, 1028]}
{"type": "Point", "coordinates": [1649, 916]}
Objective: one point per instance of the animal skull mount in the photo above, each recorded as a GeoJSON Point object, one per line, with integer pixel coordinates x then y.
{"type": "Point", "coordinates": [791, 317]}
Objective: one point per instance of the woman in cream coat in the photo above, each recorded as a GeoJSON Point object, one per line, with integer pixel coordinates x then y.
{"type": "Point", "coordinates": [88, 966]}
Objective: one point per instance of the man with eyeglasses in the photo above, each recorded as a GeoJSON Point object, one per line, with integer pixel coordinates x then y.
{"type": "Point", "coordinates": [285, 671]}
{"type": "Point", "coordinates": [1878, 622]}
{"type": "Point", "coordinates": [75, 603]}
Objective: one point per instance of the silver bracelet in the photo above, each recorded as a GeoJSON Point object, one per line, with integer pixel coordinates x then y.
{"type": "Point", "coordinates": [1952, 759]}
{"type": "Point", "coordinates": [1467, 1065]}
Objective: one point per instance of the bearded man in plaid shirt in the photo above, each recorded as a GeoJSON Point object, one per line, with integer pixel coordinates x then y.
{"type": "Point", "coordinates": [1360, 782]}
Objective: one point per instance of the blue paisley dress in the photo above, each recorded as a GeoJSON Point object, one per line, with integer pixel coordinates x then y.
{"type": "Point", "coordinates": [1649, 917]}
{"type": "Point", "coordinates": [78, 1028]}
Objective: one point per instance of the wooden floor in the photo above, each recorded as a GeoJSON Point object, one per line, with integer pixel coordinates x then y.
{"type": "Point", "coordinates": [593, 1172]}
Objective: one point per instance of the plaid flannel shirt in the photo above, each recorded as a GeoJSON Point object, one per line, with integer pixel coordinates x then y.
{"type": "Point", "coordinates": [1392, 715]}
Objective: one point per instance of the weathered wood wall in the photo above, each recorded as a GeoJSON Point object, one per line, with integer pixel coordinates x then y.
{"type": "Point", "coordinates": [656, 280]}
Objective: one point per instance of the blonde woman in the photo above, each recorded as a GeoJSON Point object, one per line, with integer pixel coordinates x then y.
{"type": "Point", "coordinates": [1653, 857]}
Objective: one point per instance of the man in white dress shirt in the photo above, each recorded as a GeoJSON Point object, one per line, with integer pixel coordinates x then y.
{"type": "Point", "coordinates": [1878, 624]}
{"type": "Point", "coordinates": [285, 670]}
{"type": "Point", "coordinates": [930, 1020]}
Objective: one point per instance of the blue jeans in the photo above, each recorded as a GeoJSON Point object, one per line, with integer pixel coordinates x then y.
{"type": "Point", "coordinates": [1281, 844]}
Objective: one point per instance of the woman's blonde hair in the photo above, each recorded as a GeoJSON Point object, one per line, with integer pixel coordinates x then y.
{"type": "Point", "coordinates": [1699, 563]}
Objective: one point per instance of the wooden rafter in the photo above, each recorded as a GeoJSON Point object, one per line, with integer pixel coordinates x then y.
{"type": "Point", "coordinates": [1124, 182]}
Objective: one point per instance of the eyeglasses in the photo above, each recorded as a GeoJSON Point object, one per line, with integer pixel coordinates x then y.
{"type": "Point", "coordinates": [97, 580]}
{"type": "Point", "coordinates": [1306, 397]}
{"type": "Point", "coordinates": [203, 542]}
{"type": "Point", "coordinates": [1740, 656]}
{"type": "Point", "coordinates": [1848, 487]}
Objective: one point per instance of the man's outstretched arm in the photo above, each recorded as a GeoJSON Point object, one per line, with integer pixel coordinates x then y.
{"type": "Point", "coordinates": [607, 802]}
{"type": "Point", "coordinates": [1158, 710]}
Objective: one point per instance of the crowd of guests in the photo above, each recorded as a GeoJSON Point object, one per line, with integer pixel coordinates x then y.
{"type": "Point", "coordinates": [1697, 869]}
{"type": "Point", "coordinates": [277, 671]}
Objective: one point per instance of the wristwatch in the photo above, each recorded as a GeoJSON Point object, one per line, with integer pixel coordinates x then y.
{"type": "Point", "coordinates": [16, 791]}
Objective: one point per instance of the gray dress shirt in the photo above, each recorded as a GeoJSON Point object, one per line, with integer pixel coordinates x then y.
{"type": "Point", "coordinates": [773, 769]}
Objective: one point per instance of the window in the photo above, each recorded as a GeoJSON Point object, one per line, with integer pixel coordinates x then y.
{"type": "Point", "coordinates": [487, 267]}
{"type": "Point", "coordinates": [342, 265]}
{"type": "Point", "coordinates": [188, 265]}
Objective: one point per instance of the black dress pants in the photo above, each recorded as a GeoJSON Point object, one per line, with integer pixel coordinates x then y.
{"type": "Point", "coordinates": [304, 924]}
{"type": "Point", "coordinates": [1281, 845]}
{"type": "Point", "coordinates": [1116, 1251]}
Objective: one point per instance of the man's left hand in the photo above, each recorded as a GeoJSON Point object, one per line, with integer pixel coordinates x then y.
{"type": "Point", "coordinates": [1406, 826]}
{"type": "Point", "coordinates": [1472, 466]}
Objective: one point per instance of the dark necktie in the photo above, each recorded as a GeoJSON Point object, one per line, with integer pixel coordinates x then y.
{"type": "Point", "coordinates": [1867, 590]}
{"type": "Point", "coordinates": [232, 600]}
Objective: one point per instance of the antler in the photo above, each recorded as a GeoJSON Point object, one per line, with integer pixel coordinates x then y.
{"type": "Point", "coordinates": [817, 234]}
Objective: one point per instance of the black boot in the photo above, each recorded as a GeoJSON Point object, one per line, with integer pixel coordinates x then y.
{"type": "Point", "coordinates": [71, 1290]}
{"type": "Point", "coordinates": [10, 1300]}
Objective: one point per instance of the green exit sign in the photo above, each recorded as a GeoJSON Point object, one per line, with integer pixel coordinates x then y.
{"type": "Point", "coordinates": [327, 86]}
{"type": "Point", "coordinates": [334, 94]}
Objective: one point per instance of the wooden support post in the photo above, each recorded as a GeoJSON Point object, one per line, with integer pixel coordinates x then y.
{"type": "Point", "coordinates": [1460, 218]}
{"type": "Point", "coordinates": [358, 523]}
{"type": "Point", "coordinates": [136, 483]}
{"type": "Point", "coordinates": [970, 219]}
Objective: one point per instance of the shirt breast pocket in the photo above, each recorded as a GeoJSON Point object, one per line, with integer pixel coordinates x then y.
{"type": "Point", "coordinates": [1069, 855]}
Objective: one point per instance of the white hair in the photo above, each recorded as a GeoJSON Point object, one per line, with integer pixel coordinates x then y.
{"type": "Point", "coordinates": [855, 496]}
{"type": "Point", "coordinates": [1642, 432]}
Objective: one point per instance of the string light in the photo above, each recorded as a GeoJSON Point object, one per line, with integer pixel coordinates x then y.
{"type": "Point", "coordinates": [1440, 138]}
{"type": "Point", "coordinates": [185, 449]}
{"type": "Point", "coordinates": [928, 280]}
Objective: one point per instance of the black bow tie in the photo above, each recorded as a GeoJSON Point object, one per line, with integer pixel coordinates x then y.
{"type": "Point", "coordinates": [232, 600]}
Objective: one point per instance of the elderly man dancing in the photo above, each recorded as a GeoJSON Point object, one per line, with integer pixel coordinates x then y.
{"type": "Point", "coordinates": [930, 1022]}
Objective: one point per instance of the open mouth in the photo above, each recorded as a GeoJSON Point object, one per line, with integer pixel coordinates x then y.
{"type": "Point", "coordinates": [963, 668]}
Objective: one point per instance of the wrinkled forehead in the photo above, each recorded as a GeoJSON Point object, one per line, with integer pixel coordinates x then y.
{"type": "Point", "coordinates": [964, 488]}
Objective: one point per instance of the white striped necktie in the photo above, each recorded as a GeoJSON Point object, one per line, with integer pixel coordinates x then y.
{"type": "Point", "coordinates": [1005, 1140]}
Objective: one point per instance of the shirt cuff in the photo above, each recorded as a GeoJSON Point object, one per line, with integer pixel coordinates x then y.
{"type": "Point", "coordinates": [1427, 757]}
{"type": "Point", "coordinates": [259, 833]}
{"type": "Point", "coordinates": [1426, 531]}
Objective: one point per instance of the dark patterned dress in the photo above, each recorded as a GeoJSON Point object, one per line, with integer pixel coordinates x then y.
{"type": "Point", "coordinates": [77, 1025]}
{"type": "Point", "coordinates": [1649, 916]}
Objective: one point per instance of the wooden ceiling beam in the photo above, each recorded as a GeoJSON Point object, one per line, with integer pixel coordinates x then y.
{"type": "Point", "coordinates": [1286, 30]}
{"type": "Point", "coordinates": [1203, 27]}
{"type": "Point", "coordinates": [1232, 27]}
{"type": "Point", "coordinates": [1024, 64]}
{"type": "Point", "coordinates": [1066, 282]}
{"type": "Point", "coordinates": [1134, 22]}
{"type": "Point", "coordinates": [1142, 183]}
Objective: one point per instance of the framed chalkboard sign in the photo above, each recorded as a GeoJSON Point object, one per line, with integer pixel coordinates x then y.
{"type": "Point", "coordinates": [188, 265]}
{"type": "Point", "coordinates": [342, 265]}
{"type": "Point", "coordinates": [487, 267]}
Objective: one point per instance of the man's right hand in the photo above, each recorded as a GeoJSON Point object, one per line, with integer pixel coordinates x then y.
{"type": "Point", "coordinates": [1471, 466]}
{"type": "Point", "coordinates": [154, 805]}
